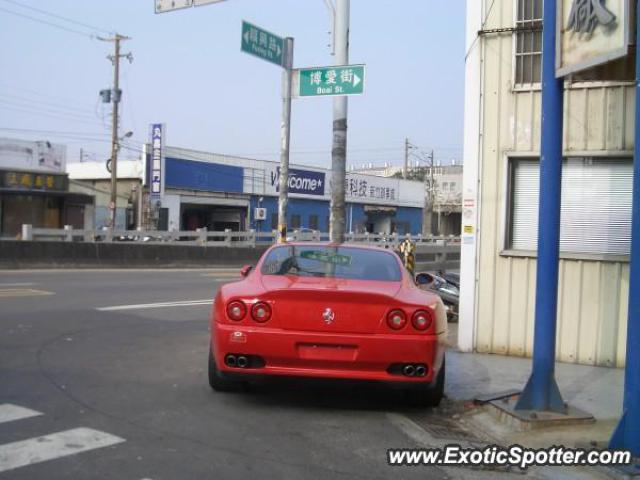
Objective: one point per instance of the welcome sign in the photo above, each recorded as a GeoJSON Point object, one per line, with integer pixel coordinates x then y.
{"type": "Point", "coordinates": [304, 182]}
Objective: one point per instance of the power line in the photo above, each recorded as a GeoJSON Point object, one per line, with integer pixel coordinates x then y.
{"type": "Point", "coordinates": [48, 104]}
{"type": "Point", "coordinates": [49, 111]}
{"type": "Point", "coordinates": [58, 116]}
{"type": "Point", "coordinates": [34, 93]}
{"type": "Point", "coordinates": [32, 130]}
{"type": "Point", "coordinates": [45, 22]}
{"type": "Point", "coordinates": [47, 108]}
{"type": "Point", "coordinates": [59, 17]}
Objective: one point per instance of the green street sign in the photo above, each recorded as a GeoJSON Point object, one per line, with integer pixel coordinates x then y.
{"type": "Point", "coordinates": [262, 44]}
{"type": "Point", "coordinates": [323, 81]}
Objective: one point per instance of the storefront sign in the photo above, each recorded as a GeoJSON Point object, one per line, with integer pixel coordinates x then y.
{"type": "Point", "coordinates": [591, 32]}
{"type": "Point", "coordinates": [156, 183]}
{"type": "Point", "coordinates": [370, 187]}
{"type": "Point", "coordinates": [306, 182]}
{"type": "Point", "coordinates": [32, 181]}
{"type": "Point", "coordinates": [39, 156]}
{"type": "Point", "coordinates": [359, 188]}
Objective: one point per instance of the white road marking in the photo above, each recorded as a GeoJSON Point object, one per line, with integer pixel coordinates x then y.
{"type": "Point", "coordinates": [56, 445]}
{"type": "Point", "coordinates": [10, 412]}
{"type": "Point", "coordinates": [185, 303]}
{"type": "Point", "coordinates": [22, 292]}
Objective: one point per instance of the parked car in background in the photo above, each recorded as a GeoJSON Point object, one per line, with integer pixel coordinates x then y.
{"type": "Point", "coordinates": [447, 286]}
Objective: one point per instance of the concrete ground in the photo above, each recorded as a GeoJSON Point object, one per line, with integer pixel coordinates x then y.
{"type": "Point", "coordinates": [97, 380]}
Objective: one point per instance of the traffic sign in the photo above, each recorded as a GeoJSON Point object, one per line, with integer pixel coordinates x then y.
{"type": "Point", "coordinates": [329, 81]}
{"type": "Point", "coordinates": [261, 43]}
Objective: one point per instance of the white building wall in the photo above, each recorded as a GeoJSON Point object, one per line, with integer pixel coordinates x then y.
{"type": "Point", "coordinates": [497, 310]}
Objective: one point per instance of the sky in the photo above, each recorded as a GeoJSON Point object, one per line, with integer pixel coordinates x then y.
{"type": "Point", "coordinates": [189, 73]}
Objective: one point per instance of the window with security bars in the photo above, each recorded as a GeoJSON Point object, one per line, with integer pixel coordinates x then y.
{"type": "Point", "coordinates": [595, 216]}
{"type": "Point", "coordinates": [528, 59]}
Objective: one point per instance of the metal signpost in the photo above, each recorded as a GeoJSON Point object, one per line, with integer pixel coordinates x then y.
{"type": "Point", "coordinates": [279, 51]}
{"type": "Point", "coordinates": [330, 81]}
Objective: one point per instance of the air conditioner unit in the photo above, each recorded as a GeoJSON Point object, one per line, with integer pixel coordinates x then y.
{"type": "Point", "coordinates": [260, 214]}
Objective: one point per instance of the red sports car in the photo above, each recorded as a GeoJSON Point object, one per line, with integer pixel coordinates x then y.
{"type": "Point", "coordinates": [329, 311]}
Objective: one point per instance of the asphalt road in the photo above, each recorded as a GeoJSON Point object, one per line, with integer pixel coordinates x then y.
{"type": "Point", "coordinates": [94, 393]}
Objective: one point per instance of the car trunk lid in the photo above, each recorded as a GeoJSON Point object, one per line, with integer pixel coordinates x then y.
{"type": "Point", "coordinates": [329, 304]}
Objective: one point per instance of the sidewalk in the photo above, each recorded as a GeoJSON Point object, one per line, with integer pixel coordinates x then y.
{"type": "Point", "coordinates": [596, 390]}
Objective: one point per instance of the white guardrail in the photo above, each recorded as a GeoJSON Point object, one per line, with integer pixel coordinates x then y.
{"type": "Point", "coordinates": [202, 236]}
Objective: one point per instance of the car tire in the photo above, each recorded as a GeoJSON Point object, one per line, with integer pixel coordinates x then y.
{"type": "Point", "coordinates": [216, 381]}
{"type": "Point", "coordinates": [430, 396]}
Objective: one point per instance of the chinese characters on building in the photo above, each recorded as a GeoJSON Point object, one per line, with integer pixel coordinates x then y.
{"type": "Point", "coordinates": [156, 160]}
{"type": "Point", "coordinates": [32, 181]}
{"type": "Point", "coordinates": [585, 16]}
{"type": "Point", "coordinates": [360, 188]}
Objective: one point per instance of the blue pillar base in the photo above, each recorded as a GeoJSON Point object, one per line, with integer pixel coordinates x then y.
{"type": "Point", "coordinates": [541, 394]}
{"type": "Point", "coordinates": [627, 435]}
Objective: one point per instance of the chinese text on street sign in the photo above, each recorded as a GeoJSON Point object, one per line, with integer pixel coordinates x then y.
{"type": "Point", "coordinates": [155, 187]}
{"type": "Point", "coordinates": [262, 44]}
{"type": "Point", "coordinates": [322, 81]}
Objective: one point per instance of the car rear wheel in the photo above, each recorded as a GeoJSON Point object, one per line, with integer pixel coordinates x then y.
{"type": "Point", "coordinates": [430, 396]}
{"type": "Point", "coordinates": [216, 380]}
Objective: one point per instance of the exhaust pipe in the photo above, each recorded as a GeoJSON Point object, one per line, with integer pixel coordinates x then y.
{"type": "Point", "coordinates": [409, 370]}
{"type": "Point", "coordinates": [230, 360]}
{"type": "Point", "coordinates": [421, 370]}
{"type": "Point", "coordinates": [242, 361]}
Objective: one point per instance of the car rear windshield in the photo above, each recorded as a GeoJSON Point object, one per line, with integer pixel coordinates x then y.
{"type": "Point", "coordinates": [333, 262]}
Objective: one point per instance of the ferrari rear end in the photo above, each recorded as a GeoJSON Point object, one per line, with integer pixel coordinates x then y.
{"type": "Point", "coordinates": [329, 312]}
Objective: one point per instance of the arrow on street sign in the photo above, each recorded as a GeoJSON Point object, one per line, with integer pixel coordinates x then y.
{"type": "Point", "coordinates": [330, 81]}
{"type": "Point", "coordinates": [261, 43]}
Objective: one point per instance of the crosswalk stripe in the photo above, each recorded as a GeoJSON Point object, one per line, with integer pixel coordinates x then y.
{"type": "Point", "coordinates": [53, 446]}
{"type": "Point", "coordinates": [10, 412]}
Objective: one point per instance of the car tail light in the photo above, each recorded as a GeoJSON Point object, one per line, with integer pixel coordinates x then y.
{"type": "Point", "coordinates": [261, 312]}
{"type": "Point", "coordinates": [396, 319]}
{"type": "Point", "coordinates": [236, 310]}
{"type": "Point", "coordinates": [421, 320]}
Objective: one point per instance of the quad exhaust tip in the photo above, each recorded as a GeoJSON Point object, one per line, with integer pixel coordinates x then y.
{"type": "Point", "coordinates": [421, 371]}
{"type": "Point", "coordinates": [409, 370]}
{"type": "Point", "coordinates": [230, 360]}
{"type": "Point", "coordinates": [242, 361]}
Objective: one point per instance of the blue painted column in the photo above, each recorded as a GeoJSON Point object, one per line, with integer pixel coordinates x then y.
{"type": "Point", "coordinates": [627, 433]}
{"type": "Point", "coordinates": [541, 392]}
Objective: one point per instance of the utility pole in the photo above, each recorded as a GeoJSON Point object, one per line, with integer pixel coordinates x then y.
{"type": "Point", "coordinates": [285, 139]}
{"type": "Point", "coordinates": [406, 158]}
{"type": "Point", "coordinates": [339, 148]}
{"type": "Point", "coordinates": [115, 100]}
{"type": "Point", "coordinates": [427, 220]}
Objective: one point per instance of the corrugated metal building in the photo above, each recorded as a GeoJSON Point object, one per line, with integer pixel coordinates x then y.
{"type": "Point", "coordinates": [500, 197]}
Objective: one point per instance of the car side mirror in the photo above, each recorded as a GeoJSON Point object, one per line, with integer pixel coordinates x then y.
{"type": "Point", "coordinates": [244, 271]}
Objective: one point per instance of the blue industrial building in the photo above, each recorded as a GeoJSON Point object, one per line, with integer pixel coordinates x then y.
{"type": "Point", "coordinates": [218, 192]}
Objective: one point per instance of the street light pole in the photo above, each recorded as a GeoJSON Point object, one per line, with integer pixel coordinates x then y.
{"type": "Point", "coordinates": [339, 149]}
